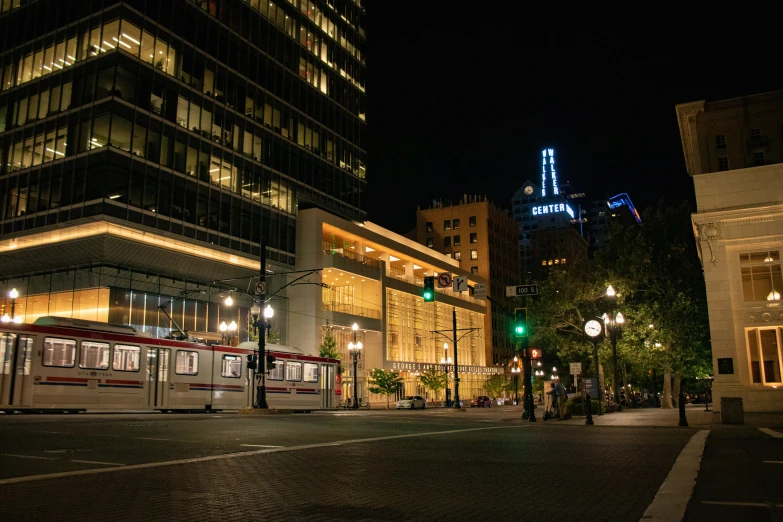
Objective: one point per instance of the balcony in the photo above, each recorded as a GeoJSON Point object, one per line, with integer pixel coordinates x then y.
{"type": "Point", "coordinates": [328, 249]}
{"type": "Point", "coordinates": [351, 310]}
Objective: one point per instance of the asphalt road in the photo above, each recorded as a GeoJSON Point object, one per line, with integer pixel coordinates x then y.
{"type": "Point", "coordinates": [367, 465]}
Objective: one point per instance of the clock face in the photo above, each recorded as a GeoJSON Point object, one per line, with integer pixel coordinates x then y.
{"type": "Point", "coordinates": [528, 190]}
{"type": "Point", "coordinates": [593, 328]}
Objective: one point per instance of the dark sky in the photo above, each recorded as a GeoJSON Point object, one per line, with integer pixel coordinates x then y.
{"type": "Point", "coordinates": [457, 105]}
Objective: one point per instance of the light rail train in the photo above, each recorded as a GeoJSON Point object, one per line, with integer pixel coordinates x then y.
{"type": "Point", "coordinates": [61, 364]}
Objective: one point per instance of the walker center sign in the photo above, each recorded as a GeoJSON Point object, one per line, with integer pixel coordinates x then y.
{"type": "Point", "coordinates": [406, 366]}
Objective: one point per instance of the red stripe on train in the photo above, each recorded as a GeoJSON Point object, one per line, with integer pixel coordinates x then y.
{"type": "Point", "coordinates": [70, 379]}
{"type": "Point", "coordinates": [114, 381]}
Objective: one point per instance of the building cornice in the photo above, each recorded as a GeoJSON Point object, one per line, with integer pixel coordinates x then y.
{"type": "Point", "coordinates": [686, 119]}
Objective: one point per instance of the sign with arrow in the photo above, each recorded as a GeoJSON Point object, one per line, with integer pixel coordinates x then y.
{"type": "Point", "coordinates": [444, 280]}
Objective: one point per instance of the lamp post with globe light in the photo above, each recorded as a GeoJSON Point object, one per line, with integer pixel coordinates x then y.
{"type": "Point", "coordinates": [355, 349]}
{"type": "Point", "coordinates": [614, 323]}
{"type": "Point", "coordinates": [516, 370]}
{"type": "Point", "coordinates": [445, 361]}
{"type": "Point", "coordinates": [13, 294]}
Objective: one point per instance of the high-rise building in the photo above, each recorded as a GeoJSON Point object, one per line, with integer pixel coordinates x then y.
{"type": "Point", "coordinates": [734, 152]}
{"type": "Point", "coordinates": [540, 205]}
{"type": "Point", "coordinates": [146, 147]}
{"type": "Point", "coordinates": [483, 238]}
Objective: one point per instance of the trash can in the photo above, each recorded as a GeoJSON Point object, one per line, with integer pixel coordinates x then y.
{"type": "Point", "coordinates": [731, 410]}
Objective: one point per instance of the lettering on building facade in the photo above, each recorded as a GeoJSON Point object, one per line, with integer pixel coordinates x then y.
{"type": "Point", "coordinates": [406, 366]}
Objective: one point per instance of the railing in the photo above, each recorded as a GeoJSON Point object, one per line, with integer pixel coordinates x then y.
{"type": "Point", "coordinates": [329, 249]}
{"type": "Point", "coordinates": [397, 273]}
{"type": "Point", "coordinates": [351, 309]}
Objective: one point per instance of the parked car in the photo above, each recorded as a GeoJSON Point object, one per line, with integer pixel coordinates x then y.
{"type": "Point", "coordinates": [412, 402]}
{"type": "Point", "coordinates": [481, 401]}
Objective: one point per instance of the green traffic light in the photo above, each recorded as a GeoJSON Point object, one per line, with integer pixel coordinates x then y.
{"type": "Point", "coordinates": [427, 295]}
{"type": "Point", "coordinates": [520, 329]}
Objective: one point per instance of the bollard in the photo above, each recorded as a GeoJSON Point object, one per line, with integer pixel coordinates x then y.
{"type": "Point", "coordinates": [589, 411]}
{"type": "Point", "coordinates": [681, 405]}
{"type": "Point", "coordinates": [706, 402]}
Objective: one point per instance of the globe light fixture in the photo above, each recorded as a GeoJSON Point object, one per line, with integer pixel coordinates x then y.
{"type": "Point", "coordinates": [773, 296]}
{"type": "Point", "coordinates": [619, 319]}
{"type": "Point", "coordinates": [13, 294]}
{"type": "Point", "coordinates": [268, 312]}
{"type": "Point", "coordinates": [229, 300]}
{"type": "Point", "coordinates": [223, 326]}
{"type": "Point", "coordinates": [5, 319]}
{"type": "Point", "coordinates": [610, 292]}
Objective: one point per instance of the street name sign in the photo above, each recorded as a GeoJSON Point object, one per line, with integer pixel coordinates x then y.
{"type": "Point", "coordinates": [480, 291]}
{"type": "Point", "coordinates": [444, 280]}
{"type": "Point", "coordinates": [516, 291]}
{"type": "Point", "coordinates": [576, 368]}
{"type": "Point", "coordinates": [460, 284]}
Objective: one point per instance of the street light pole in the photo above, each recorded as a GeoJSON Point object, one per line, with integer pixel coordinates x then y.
{"type": "Point", "coordinates": [456, 367]}
{"type": "Point", "coordinates": [13, 294]}
{"type": "Point", "coordinates": [611, 294]}
{"type": "Point", "coordinates": [445, 361]}
{"type": "Point", "coordinates": [353, 348]}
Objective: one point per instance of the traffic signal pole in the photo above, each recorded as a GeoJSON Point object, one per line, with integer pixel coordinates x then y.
{"type": "Point", "coordinates": [456, 364]}
{"type": "Point", "coordinates": [531, 412]}
{"type": "Point", "coordinates": [261, 359]}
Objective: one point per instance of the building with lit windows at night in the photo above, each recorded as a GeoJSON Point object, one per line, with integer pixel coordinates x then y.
{"type": "Point", "coordinates": [146, 147]}
{"type": "Point", "coordinates": [374, 278]}
{"type": "Point", "coordinates": [734, 153]}
{"type": "Point", "coordinates": [483, 238]}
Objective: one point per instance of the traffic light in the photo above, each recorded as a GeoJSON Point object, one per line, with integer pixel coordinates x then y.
{"type": "Point", "coordinates": [429, 289]}
{"type": "Point", "coordinates": [520, 322]}
{"type": "Point", "coordinates": [270, 362]}
{"type": "Point", "coordinates": [251, 362]}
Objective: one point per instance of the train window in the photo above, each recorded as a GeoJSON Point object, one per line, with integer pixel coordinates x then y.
{"type": "Point", "coordinates": [187, 362]}
{"type": "Point", "coordinates": [126, 358]}
{"type": "Point", "coordinates": [276, 371]}
{"type": "Point", "coordinates": [94, 355]}
{"type": "Point", "coordinates": [310, 372]}
{"type": "Point", "coordinates": [59, 352]}
{"type": "Point", "coordinates": [293, 371]}
{"type": "Point", "coordinates": [232, 366]}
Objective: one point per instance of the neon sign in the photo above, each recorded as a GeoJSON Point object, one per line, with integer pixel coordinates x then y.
{"type": "Point", "coordinates": [552, 209]}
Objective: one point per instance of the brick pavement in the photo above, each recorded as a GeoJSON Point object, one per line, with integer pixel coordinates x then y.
{"type": "Point", "coordinates": [734, 482]}
{"type": "Point", "coordinates": [519, 472]}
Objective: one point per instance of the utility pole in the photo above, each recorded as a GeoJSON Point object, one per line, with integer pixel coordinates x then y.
{"type": "Point", "coordinates": [261, 357]}
{"type": "Point", "coordinates": [456, 364]}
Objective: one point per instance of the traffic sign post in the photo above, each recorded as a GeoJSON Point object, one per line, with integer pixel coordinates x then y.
{"type": "Point", "coordinates": [480, 291]}
{"type": "Point", "coordinates": [521, 290]}
{"type": "Point", "coordinates": [460, 284]}
{"type": "Point", "coordinates": [576, 368]}
{"type": "Point", "coordinates": [444, 280]}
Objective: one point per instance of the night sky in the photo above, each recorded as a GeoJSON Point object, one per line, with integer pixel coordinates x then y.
{"type": "Point", "coordinates": [456, 105]}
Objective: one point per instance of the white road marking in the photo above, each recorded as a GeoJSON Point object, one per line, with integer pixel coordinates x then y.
{"type": "Point", "coordinates": [55, 451]}
{"type": "Point", "coordinates": [27, 456]}
{"type": "Point", "coordinates": [98, 462]}
{"type": "Point", "coordinates": [241, 454]}
{"type": "Point", "coordinates": [772, 461]}
{"type": "Point", "coordinates": [772, 433]}
{"type": "Point", "coordinates": [156, 438]}
{"type": "Point", "coordinates": [675, 492]}
{"type": "Point", "coordinates": [259, 446]}
{"type": "Point", "coordinates": [747, 504]}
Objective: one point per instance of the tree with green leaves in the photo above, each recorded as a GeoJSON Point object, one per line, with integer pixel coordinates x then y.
{"type": "Point", "coordinates": [434, 380]}
{"type": "Point", "coordinates": [385, 382]}
{"type": "Point", "coordinates": [328, 347]}
{"type": "Point", "coordinates": [495, 385]}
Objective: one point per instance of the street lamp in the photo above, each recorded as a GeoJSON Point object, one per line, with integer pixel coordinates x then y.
{"type": "Point", "coordinates": [354, 348]}
{"type": "Point", "coordinates": [223, 327]}
{"type": "Point", "coordinates": [229, 300]}
{"type": "Point", "coordinates": [614, 322]}
{"type": "Point", "coordinates": [445, 360]}
{"type": "Point", "coordinates": [261, 358]}
{"type": "Point", "coordinates": [13, 294]}
{"type": "Point", "coordinates": [516, 370]}
{"type": "Point", "coordinates": [231, 329]}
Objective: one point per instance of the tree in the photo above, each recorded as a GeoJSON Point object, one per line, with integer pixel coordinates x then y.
{"type": "Point", "coordinates": [328, 347]}
{"type": "Point", "coordinates": [495, 385]}
{"type": "Point", "coordinates": [385, 382]}
{"type": "Point", "coordinates": [434, 380]}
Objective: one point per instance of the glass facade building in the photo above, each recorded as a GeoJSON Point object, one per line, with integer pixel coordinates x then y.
{"type": "Point", "coordinates": [208, 121]}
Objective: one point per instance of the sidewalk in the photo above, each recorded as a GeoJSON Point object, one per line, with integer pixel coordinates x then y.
{"type": "Point", "coordinates": [653, 417]}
